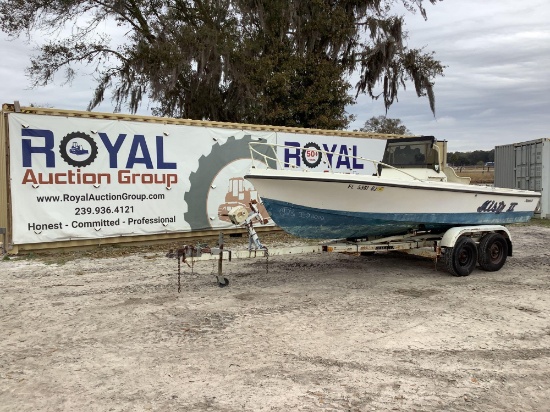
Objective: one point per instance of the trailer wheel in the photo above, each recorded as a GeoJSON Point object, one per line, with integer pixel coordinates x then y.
{"type": "Point", "coordinates": [493, 251]}
{"type": "Point", "coordinates": [461, 259]}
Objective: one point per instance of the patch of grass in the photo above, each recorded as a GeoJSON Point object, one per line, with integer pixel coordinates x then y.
{"type": "Point", "coordinates": [538, 222]}
{"type": "Point", "coordinates": [48, 258]}
{"type": "Point", "coordinates": [477, 175]}
{"type": "Point", "coordinates": [55, 260]}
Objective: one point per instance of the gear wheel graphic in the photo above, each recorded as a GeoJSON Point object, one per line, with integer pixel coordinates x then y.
{"type": "Point", "coordinates": [209, 167]}
{"type": "Point", "coordinates": [78, 163]}
{"type": "Point", "coordinates": [319, 155]}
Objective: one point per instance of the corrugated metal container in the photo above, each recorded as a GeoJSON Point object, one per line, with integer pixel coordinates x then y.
{"type": "Point", "coordinates": [505, 163]}
{"type": "Point", "coordinates": [525, 165]}
{"type": "Point", "coordinates": [3, 177]}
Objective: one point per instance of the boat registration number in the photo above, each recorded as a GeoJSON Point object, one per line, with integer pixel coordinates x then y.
{"type": "Point", "coordinates": [372, 188]}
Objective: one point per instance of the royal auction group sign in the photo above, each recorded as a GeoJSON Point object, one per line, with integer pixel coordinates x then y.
{"type": "Point", "coordinates": [84, 178]}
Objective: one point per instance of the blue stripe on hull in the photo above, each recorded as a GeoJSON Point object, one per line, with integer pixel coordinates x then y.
{"type": "Point", "coordinates": [315, 223]}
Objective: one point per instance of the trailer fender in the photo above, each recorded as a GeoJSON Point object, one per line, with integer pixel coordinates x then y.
{"type": "Point", "coordinates": [451, 236]}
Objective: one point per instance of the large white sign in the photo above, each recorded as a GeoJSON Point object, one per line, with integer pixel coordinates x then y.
{"type": "Point", "coordinates": [76, 178]}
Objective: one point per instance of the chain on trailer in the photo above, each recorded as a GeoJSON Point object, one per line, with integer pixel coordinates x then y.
{"type": "Point", "coordinates": [182, 254]}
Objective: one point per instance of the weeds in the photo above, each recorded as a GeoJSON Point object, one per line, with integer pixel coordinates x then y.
{"type": "Point", "coordinates": [538, 222]}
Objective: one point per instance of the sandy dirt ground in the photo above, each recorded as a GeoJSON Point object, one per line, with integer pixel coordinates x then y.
{"type": "Point", "coordinates": [317, 332]}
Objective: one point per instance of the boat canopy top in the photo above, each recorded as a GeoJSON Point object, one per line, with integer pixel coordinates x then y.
{"type": "Point", "coordinates": [412, 152]}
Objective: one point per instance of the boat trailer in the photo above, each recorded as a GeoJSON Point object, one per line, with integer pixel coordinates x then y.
{"type": "Point", "coordinates": [460, 248]}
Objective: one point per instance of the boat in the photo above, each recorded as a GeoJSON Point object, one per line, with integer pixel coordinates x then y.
{"type": "Point", "coordinates": [412, 189]}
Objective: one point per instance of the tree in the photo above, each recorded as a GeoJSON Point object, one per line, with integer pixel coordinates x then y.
{"type": "Point", "coordinates": [264, 61]}
{"type": "Point", "coordinates": [382, 124]}
{"type": "Point", "coordinates": [471, 158]}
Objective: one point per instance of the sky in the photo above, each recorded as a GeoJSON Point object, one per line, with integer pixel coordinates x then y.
{"type": "Point", "coordinates": [496, 88]}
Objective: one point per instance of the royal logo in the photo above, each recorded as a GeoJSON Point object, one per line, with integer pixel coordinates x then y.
{"type": "Point", "coordinates": [79, 150]}
{"type": "Point", "coordinates": [336, 156]}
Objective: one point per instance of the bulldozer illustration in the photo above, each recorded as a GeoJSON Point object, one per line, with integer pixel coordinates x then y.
{"type": "Point", "coordinates": [77, 149]}
{"type": "Point", "coordinates": [238, 195]}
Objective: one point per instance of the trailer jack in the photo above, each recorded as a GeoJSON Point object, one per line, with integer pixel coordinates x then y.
{"type": "Point", "coordinates": [240, 216]}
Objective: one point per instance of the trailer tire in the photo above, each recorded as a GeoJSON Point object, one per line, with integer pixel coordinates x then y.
{"type": "Point", "coordinates": [461, 259]}
{"type": "Point", "coordinates": [493, 251]}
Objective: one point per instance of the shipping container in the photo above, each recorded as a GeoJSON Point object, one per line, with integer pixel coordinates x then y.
{"type": "Point", "coordinates": [525, 165]}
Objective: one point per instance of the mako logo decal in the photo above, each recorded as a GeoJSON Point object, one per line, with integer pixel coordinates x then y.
{"type": "Point", "coordinates": [339, 156]}
{"type": "Point", "coordinates": [492, 206]}
{"type": "Point", "coordinates": [79, 150]}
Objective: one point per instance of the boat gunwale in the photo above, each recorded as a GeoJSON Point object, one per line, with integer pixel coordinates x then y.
{"type": "Point", "coordinates": [414, 184]}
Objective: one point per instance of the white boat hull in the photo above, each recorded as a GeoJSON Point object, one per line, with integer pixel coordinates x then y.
{"type": "Point", "coordinates": [331, 205]}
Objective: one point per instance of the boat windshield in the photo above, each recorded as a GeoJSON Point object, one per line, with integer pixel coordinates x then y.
{"type": "Point", "coordinates": [415, 152]}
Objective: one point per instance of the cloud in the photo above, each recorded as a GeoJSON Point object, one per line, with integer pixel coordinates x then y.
{"type": "Point", "coordinates": [495, 90]}
{"type": "Point", "coordinates": [496, 86]}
